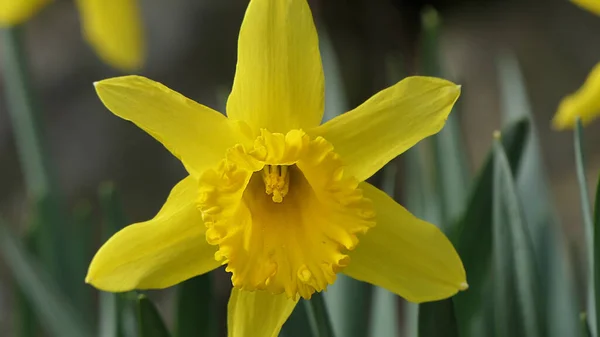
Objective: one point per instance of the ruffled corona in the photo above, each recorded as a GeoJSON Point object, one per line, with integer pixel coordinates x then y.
{"type": "Point", "coordinates": [283, 213]}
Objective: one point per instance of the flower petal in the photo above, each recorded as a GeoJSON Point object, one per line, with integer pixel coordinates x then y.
{"type": "Point", "coordinates": [257, 313]}
{"type": "Point", "coordinates": [157, 253]}
{"type": "Point", "coordinates": [590, 5]}
{"type": "Point", "coordinates": [114, 29]}
{"type": "Point", "coordinates": [14, 12]}
{"type": "Point", "coordinates": [279, 78]}
{"type": "Point", "coordinates": [585, 103]}
{"type": "Point", "coordinates": [389, 123]}
{"type": "Point", "coordinates": [406, 255]}
{"type": "Point", "coordinates": [197, 135]}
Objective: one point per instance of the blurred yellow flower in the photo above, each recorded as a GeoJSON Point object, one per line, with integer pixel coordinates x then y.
{"type": "Point", "coordinates": [585, 102]}
{"type": "Point", "coordinates": [591, 5]}
{"type": "Point", "coordinates": [278, 198]}
{"type": "Point", "coordinates": [112, 27]}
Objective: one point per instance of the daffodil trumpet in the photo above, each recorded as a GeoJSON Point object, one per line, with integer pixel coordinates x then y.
{"type": "Point", "coordinates": [274, 195]}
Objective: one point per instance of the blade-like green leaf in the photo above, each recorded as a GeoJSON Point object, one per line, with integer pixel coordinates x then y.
{"type": "Point", "coordinates": [195, 316]}
{"type": "Point", "coordinates": [513, 249]}
{"type": "Point", "coordinates": [472, 235]}
{"type": "Point", "coordinates": [114, 311]}
{"type": "Point", "coordinates": [53, 310]}
{"type": "Point", "coordinates": [81, 255]}
{"type": "Point", "coordinates": [318, 316]}
{"type": "Point", "coordinates": [436, 319]}
{"type": "Point", "coordinates": [588, 224]}
{"type": "Point", "coordinates": [597, 251]}
{"type": "Point", "coordinates": [540, 215]}
{"type": "Point", "coordinates": [150, 324]}
{"type": "Point", "coordinates": [585, 328]}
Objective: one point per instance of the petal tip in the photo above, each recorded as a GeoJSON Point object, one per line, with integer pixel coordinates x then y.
{"type": "Point", "coordinates": [463, 286]}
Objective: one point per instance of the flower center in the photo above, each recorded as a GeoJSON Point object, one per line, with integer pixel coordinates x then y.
{"type": "Point", "coordinates": [283, 213]}
{"type": "Point", "coordinates": [277, 181]}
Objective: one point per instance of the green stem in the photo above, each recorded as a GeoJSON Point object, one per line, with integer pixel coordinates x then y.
{"type": "Point", "coordinates": [318, 316]}
{"type": "Point", "coordinates": [23, 114]}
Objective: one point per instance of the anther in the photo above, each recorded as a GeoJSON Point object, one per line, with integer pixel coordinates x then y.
{"type": "Point", "coordinates": [277, 181]}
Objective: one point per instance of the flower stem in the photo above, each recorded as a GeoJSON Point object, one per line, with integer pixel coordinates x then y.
{"type": "Point", "coordinates": [23, 113]}
{"type": "Point", "coordinates": [318, 316]}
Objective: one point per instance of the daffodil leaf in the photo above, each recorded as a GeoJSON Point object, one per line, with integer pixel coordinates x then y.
{"type": "Point", "coordinates": [539, 211]}
{"type": "Point", "coordinates": [150, 324]}
{"type": "Point", "coordinates": [27, 321]}
{"type": "Point", "coordinates": [515, 274]}
{"type": "Point", "coordinates": [53, 310]}
{"type": "Point", "coordinates": [116, 315]}
{"type": "Point", "coordinates": [436, 319]}
{"type": "Point", "coordinates": [587, 222]}
{"type": "Point", "coordinates": [195, 315]}
{"type": "Point", "coordinates": [597, 252]}
{"type": "Point", "coordinates": [585, 328]}
{"type": "Point", "coordinates": [472, 234]}
{"type": "Point", "coordinates": [81, 255]}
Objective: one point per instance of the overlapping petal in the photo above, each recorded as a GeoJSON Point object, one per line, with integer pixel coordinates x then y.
{"type": "Point", "coordinates": [197, 135]}
{"type": "Point", "coordinates": [406, 255]}
{"type": "Point", "coordinates": [157, 253]}
{"type": "Point", "coordinates": [389, 123]}
{"type": "Point", "coordinates": [279, 77]}
{"type": "Point", "coordinates": [590, 5]}
{"type": "Point", "coordinates": [13, 12]}
{"type": "Point", "coordinates": [257, 313]}
{"type": "Point", "coordinates": [585, 103]}
{"type": "Point", "coordinates": [114, 29]}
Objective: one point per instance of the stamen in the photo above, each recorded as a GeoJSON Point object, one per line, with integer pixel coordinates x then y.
{"type": "Point", "coordinates": [277, 181]}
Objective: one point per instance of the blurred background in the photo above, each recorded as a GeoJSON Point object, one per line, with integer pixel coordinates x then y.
{"type": "Point", "coordinates": [191, 48]}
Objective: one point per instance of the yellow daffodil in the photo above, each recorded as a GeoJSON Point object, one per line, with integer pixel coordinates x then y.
{"type": "Point", "coordinates": [278, 198]}
{"type": "Point", "coordinates": [585, 102]}
{"type": "Point", "coordinates": [590, 5]}
{"type": "Point", "coordinates": [112, 27]}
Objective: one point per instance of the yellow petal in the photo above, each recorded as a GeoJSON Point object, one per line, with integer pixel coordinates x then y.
{"type": "Point", "coordinates": [157, 253]}
{"type": "Point", "coordinates": [406, 255]}
{"type": "Point", "coordinates": [13, 12]}
{"type": "Point", "coordinates": [584, 103]}
{"type": "Point", "coordinates": [590, 5]}
{"type": "Point", "coordinates": [279, 78]}
{"type": "Point", "coordinates": [257, 313]}
{"type": "Point", "coordinates": [389, 123]}
{"type": "Point", "coordinates": [197, 135]}
{"type": "Point", "coordinates": [114, 29]}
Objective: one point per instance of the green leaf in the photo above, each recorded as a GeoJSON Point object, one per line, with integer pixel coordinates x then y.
{"type": "Point", "coordinates": [80, 256]}
{"type": "Point", "coordinates": [587, 222]}
{"type": "Point", "coordinates": [585, 328]}
{"type": "Point", "coordinates": [150, 324]}
{"type": "Point", "coordinates": [597, 251]}
{"type": "Point", "coordinates": [472, 235]}
{"type": "Point", "coordinates": [114, 312]}
{"type": "Point", "coordinates": [53, 310]}
{"type": "Point", "coordinates": [318, 316]}
{"type": "Point", "coordinates": [27, 324]}
{"type": "Point", "coordinates": [552, 257]}
{"type": "Point", "coordinates": [514, 260]}
{"type": "Point", "coordinates": [195, 315]}
{"type": "Point", "coordinates": [436, 319]}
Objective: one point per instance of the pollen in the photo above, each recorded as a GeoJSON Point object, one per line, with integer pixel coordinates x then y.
{"type": "Point", "coordinates": [277, 181]}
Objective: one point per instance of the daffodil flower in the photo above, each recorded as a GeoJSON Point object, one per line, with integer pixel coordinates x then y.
{"type": "Point", "coordinates": [112, 27]}
{"type": "Point", "coordinates": [585, 102]}
{"type": "Point", "coordinates": [278, 198]}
